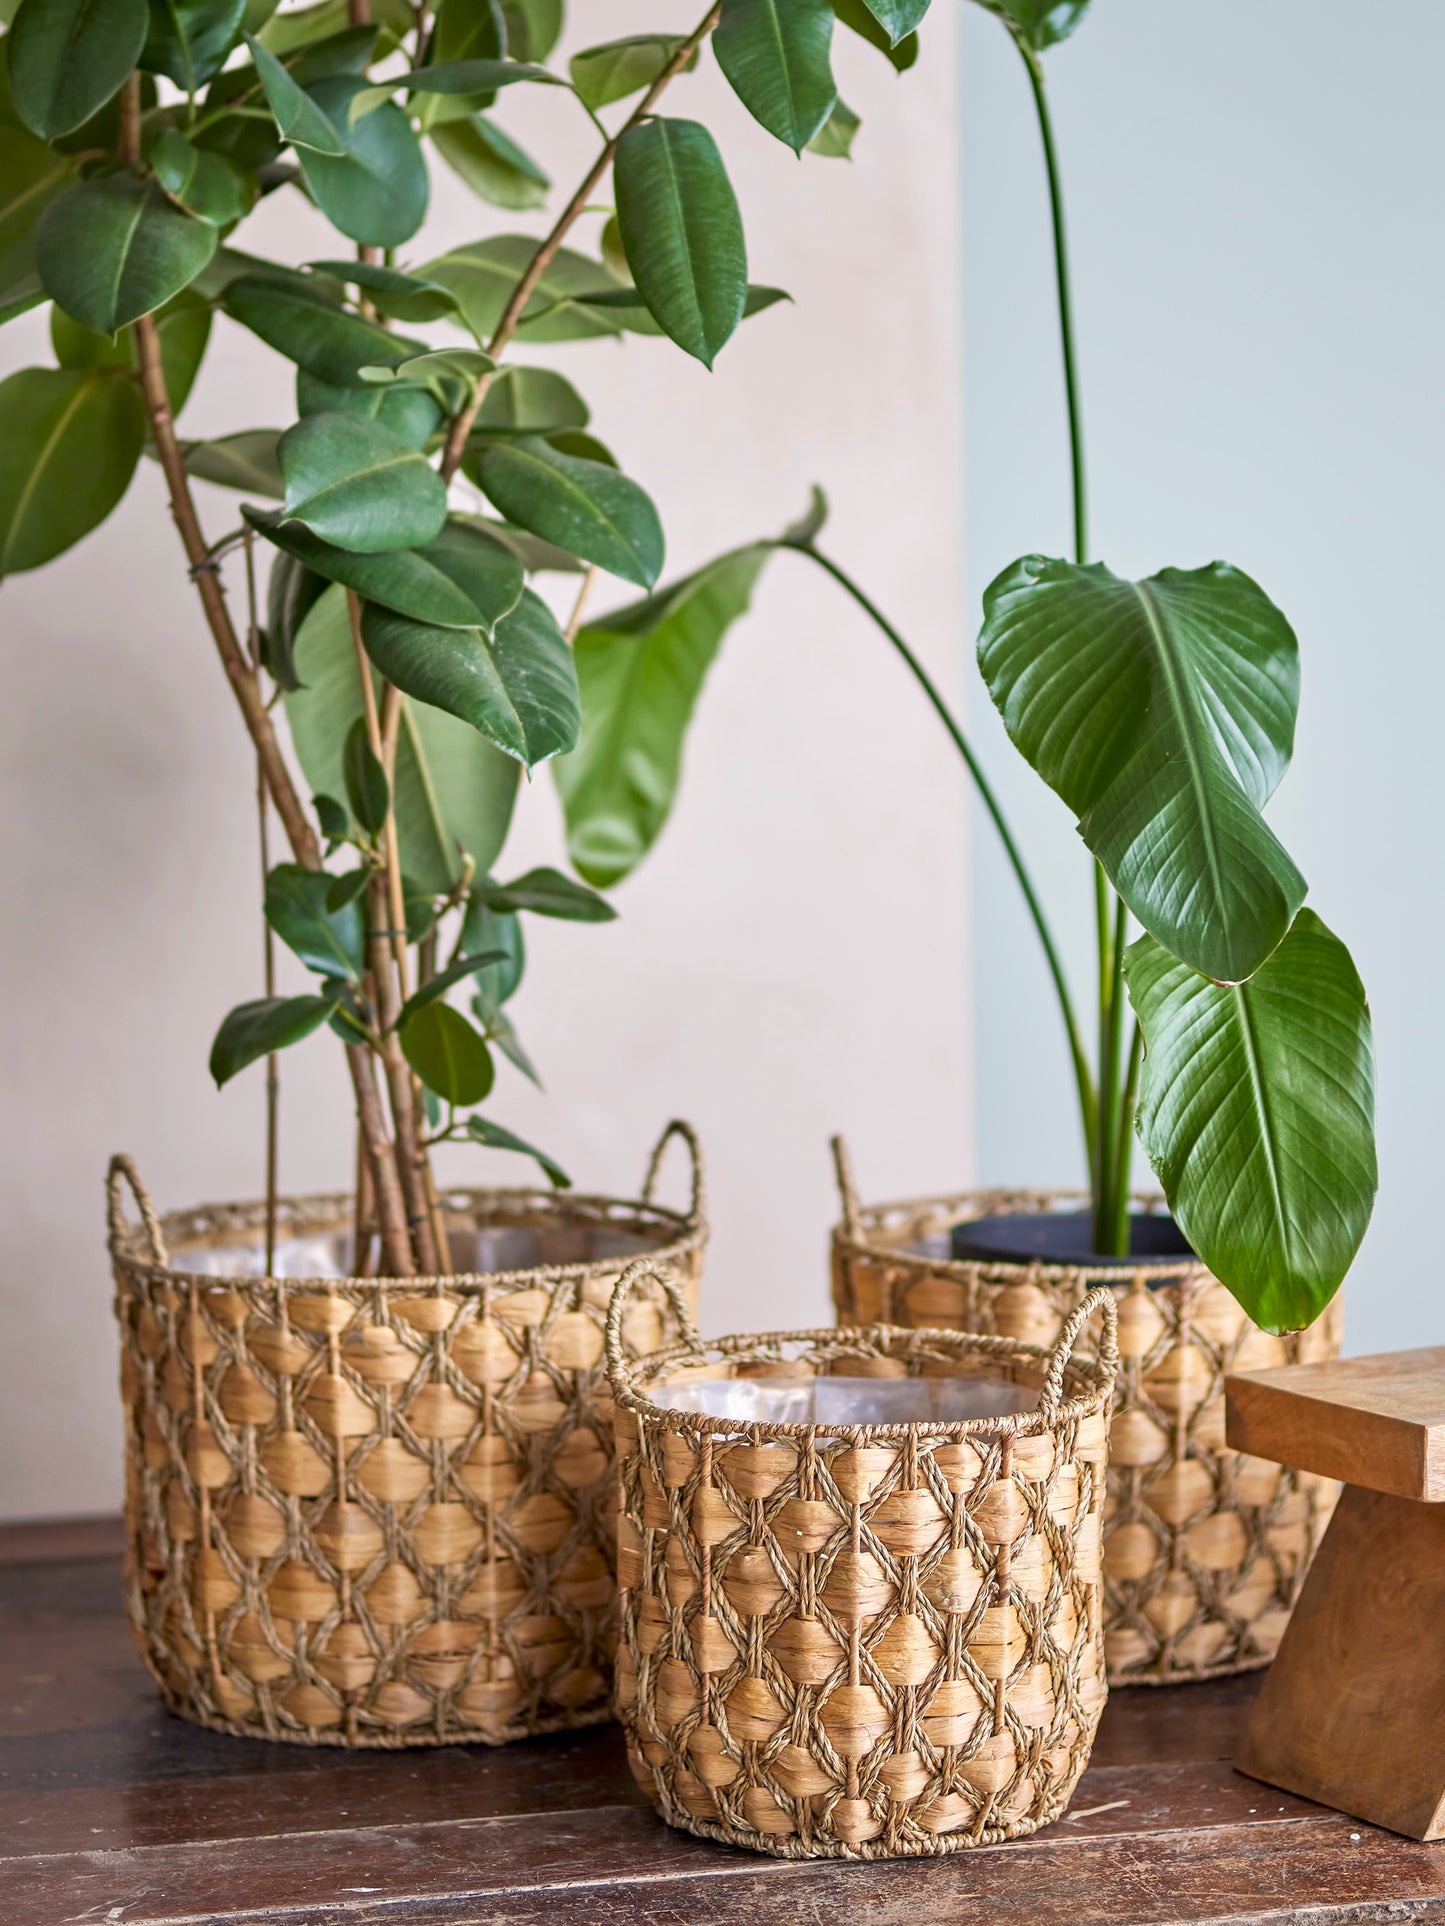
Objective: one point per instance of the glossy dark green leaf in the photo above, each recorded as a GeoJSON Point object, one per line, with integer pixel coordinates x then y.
{"type": "Point", "coordinates": [855, 14]}
{"type": "Point", "coordinates": [618, 68]}
{"type": "Point", "coordinates": [183, 326]}
{"type": "Point", "coordinates": [367, 790]}
{"type": "Point", "coordinates": [775, 55]}
{"type": "Point", "coordinates": [898, 18]}
{"type": "Point", "coordinates": [355, 483]}
{"type": "Point", "coordinates": [478, 80]}
{"type": "Point", "coordinates": [518, 689]}
{"type": "Point", "coordinates": [331, 941]}
{"type": "Point", "coordinates": [334, 821]}
{"type": "Point", "coordinates": [463, 579]}
{"type": "Point", "coordinates": [583, 506]}
{"type": "Point", "coordinates": [303, 123]}
{"type": "Point", "coordinates": [484, 928]}
{"type": "Point", "coordinates": [406, 408]}
{"type": "Point", "coordinates": [292, 591]}
{"type": "Point", "coordinates": [834, 139]}
{"type": "Point", "coordinates": [376, 192]}
{"type": "Point", "coordinates": [627, 308]}
{"type": "Point", "coordinates": [255, 1030]}
{"type": "Point", "coordinates": [444, 980]}
{"type": "Point", "coordinates": [1257, 1111]}
{"type": "Point", "coordinates": [349, 887]}
{"type": "Point", "coordinates": [1162, 712]}
{"type": "Point", "coordinates": [483, 275]}
{"type": "Point", "coordinates": [111, 250]}
{"type": "Point", "coordinates": [71, 440]}
{"type": "Point", "coordinates": [246, 460]}
{"type": "Point", "coordinates": [547, 892]}
{"type": "Point", "coordinates": [453, 790]}
{"type": "Point", "coordinates": [490, 162]}
{"type": "Point", "coordinates": [448, 1054]}
{"type": "Point", "coordinates": [188, 40]}
{"type": "Point", "coordinates": [682, 232]}
{"type": "Point", "coordinates": [298, 320]}
{"type": "Point", "coordinates": [535, 555]}
{"type": "Point", "coordinates": [576, 441]}
{"type": "Point", "coordinates": [531, 401]}
{"type": "Point", "coordinates": [498, 1028]}
{"type": "Point", "coordinates": [640, 672]}
{"type": "Point", "coordinates": [495, 1137]}
{"type": "Point", "coordinates": [31, 175]}
{"type": "Point", "coordinates": [203, 184]}
{"type": "Point", "coordinates": [469, 30]}
{"type": "Point", "coordinates": [1038, 23]}
{"type": "Point", "coordinates": [533, 27]}
{"type": "Point", "coordinates": [402, 297]}
{"type": "Point", "coordinates": [67, 58]}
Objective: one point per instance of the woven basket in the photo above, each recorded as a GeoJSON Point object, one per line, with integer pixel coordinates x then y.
{"type": "Point", "coordinates": [859, 1641]}
{"type": "Point", "coordinates": [1205, 1549]}
{"type": "Point", "coordinates": [372, 1513]}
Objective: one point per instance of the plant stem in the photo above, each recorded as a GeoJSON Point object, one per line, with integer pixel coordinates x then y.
{"type": "Point", "coordinates": [1082, 1078]}
{"type": "Point", "coordinates": [1107, 1229]}
{"type": "Point", "coordinates": [546, 252]}
{"type": "Point", "coordinates": [579, 607]}
{"type": "Point", "coordinates": [1124, 1142]}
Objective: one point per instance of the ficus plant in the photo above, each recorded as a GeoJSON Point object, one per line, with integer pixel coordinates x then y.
{"type": "Point", "coordinates": [398, 667]}
{"type": "Point", "coordinates": [1231, 1029]}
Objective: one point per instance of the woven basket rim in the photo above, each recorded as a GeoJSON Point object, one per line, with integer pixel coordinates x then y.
{"type": "Point", "coordinates": [1097, 1379]}
{"type": "Point", "coordinates": [128, 1247]}
{"type": "Point", "coordinates": [866, 1241]}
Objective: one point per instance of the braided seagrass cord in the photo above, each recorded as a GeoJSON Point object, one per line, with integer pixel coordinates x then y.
{"type": "Point", "coordinates": [858, 1641]}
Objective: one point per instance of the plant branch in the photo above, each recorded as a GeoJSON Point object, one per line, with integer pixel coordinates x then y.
{"type": "Point", "coordinates": [527, 286]}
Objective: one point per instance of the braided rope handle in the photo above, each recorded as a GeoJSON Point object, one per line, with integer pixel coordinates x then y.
{"type": "Point", "coordinates": [123, 1172]}
{"type": "Point", "coordinates": [1100, 1299]}
{"type": "Point", "coordinates": [640, 1268]}
{"type": "Point", "coordinates": [684, 1132]}
{"type": "Point", "coordinates": [847, 1189]}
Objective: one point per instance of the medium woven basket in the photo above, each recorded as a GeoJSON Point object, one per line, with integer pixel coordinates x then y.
{"type": "Point", "coordinates": [1205, 1549]}
{"type": "Point", "coordinates": [363, 1512]}
{"type": "Point", "coordinates": [859, 1641]}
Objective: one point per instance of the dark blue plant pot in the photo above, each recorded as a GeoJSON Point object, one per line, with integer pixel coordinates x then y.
{"type": "Point", "coordinates": [1064, 1237]}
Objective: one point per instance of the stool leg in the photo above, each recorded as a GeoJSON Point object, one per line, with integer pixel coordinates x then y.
{"type": "Point", "coordinates": [1353, 1709]}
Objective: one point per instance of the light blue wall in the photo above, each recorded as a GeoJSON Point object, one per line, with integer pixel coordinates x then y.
{"type": "Point", "coordinates": [1255, 197]}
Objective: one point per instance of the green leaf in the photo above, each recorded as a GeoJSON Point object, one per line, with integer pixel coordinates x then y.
{"type": "Point", "coordinates": [202, 184]}
{"type": "Point", "coordinates": [498, 1028]}
{"type": "Point", "coordinates": [331, 941]}
{"type": "Point", "coordinates": [443, 370]}
{"type": "Point", "coordinates": [404, 407]}
{"type": "Point", "coordinates": [112, 250]}
{"type": "Point", "coordinates": [775, 55]}
{"type": "Point", "coordinates": [376, 192]}
{"type": "Point", "coordinates": [547, 892]}
{"type": "Point", "coordinates": [1162, 712]}
{"type": "Point", "coordinates": [355, 483]}
{"type": "Point", "coordinates": [334, 821]}
{"type": "Point", "coordinates": [490, 162]}
{"type": "Point", "coordinates": [898, 18]}
{"type": "Point", "coordinates": [183, 326]}
{"type": "Point", "coordinates": [834, 139]}
{"type": "Point", "coordinates": [475, 79]}
{"type": "Point", "coordinates": [302, 122]}
{"type": "Point", "coordinates": [621, 67]}
{"type": "Point", "coordinates": [72, 438]}
{"type": "Point", "coordinates": [682, 232]}
{"type": "Point", "coordinates": [1040, 24]}
{"type": "Point", "coordinates": [349, 887]}
{"type": "Point", "coordinates": [1257, 1110]}
{"type": "Point", "coordinates": [254, 1030]}
{"type": "Point", "coordinates": [582, 506]}
{"type": "Point", "coordinates": [518, 688]}
{"type": "Point", "coordinates": [495, 1137]}
{"type": "Point", "coordinates": [484, 274]}
{"type": "Point", "coordinates": [296, 318]}
{"type": "Point", "coordinates": [447, 1054]}
{"type": "Point", "coordinates": [247, 460]}
{"type": "Point", "coordinates": [627, 308]}
{"type": "Point", "coordinates": [855, 15]}
{"type": "Point", "coordinates": [446, 979]}
{"type": "Point", "coordinates": [810, 525]}
{"type": "Point", "coordinates": [31, 176]}
{"type": "Point", "coordinates": [403, 297]}
{"type": "Point", "coordinates": [531, 401]}
{"type": "Point", "coordinates": [367, 789]}
{"type": "Point", "coordinates": [484, 928]}
{"type": "Point", "coordinates": [469, 30]}
{"type": "Point", "coordinates": [453, 790]}
{"type": "Point", "coordinates": [68, 57]}
{"type": "Point", "coordinates": [291, 593]}
{"type": "Point", "coordinates": [188, 40]}
{"type": "Point", "coordinates": [640, 672]}
{"type": "Point", "coordinates": [464, 579]}
{"type": "Point", "coordinates": [533, 27]}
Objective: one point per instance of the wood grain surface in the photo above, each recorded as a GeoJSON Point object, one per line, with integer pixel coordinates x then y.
{"type": "Point", "coordinates": [112, 1813]}
{"type": "Point", "coordinates": [1377, 1421]}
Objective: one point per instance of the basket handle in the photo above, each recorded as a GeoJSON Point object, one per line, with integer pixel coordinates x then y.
{"type": "Point", "coordinates": [697, 1210]}
{"type": "Point", "coordinates": [640, 1268]}
{"type": "Point", "coordinates": [1100, 1299]}
{"type": "Point", "coordinates": [123, 1171]}
{"type": "Point", "coordinates": [847, 1189]}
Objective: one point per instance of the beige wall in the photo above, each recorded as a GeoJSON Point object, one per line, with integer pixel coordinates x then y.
{"type": "Point", "coordinates": [791, 960]}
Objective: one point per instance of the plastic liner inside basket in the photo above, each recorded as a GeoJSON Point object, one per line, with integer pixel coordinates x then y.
{"type": "Point", "coordinates": [847, 1400]}
{"type": "Point", "coordinates": [490, 1248]}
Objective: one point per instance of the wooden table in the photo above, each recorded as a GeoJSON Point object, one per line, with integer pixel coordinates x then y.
{"type": "Point", "coordinates": [112, 1813]}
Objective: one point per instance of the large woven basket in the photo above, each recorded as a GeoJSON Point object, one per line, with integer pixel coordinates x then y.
{"type": "Point", "coordinates": [858, 1641]}
{"type": "Point", "coordinates": [1205, 1549]}
{"type": "Point", "coordinates": [372, 1513]}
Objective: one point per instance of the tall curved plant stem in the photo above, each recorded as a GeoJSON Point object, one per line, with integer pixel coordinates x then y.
{"type": "Point", "coordinates": [1082, 1078]}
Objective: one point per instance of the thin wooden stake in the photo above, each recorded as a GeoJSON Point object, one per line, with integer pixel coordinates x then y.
{"type": "Point", "coordinates": [273, 1068]}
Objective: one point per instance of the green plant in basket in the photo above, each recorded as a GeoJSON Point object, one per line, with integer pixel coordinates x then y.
{"type": "Point", "coordinates": [432, 476]}
{"type": "Point", "coordinates": [1232, 1032]}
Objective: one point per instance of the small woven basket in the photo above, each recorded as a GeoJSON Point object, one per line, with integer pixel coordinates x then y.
{"type": "Point", "coordinates": [363, 1512]}
{"type": "Point", "coordinates": [861, 1641]}
{"type": "Point", "coordinates": [1205, 1549]}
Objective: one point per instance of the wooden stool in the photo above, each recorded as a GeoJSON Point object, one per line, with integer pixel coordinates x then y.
{"type": "Point", "coordinates": [1353, 1710]}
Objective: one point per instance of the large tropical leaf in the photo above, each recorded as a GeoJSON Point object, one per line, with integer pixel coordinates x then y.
{"type": "Point", "coordinates": [484, 274]}
{"type": "Point", "coordinates": [376, 192]}
{"type": "Point", "coordinates": [899, 18]}
{"type": "Point", "coordinates": [490, 162]}
{"type": "Point", "coordinates": [31, 175]}
{"type": "Point", "coordinates": [583, 506]}
{"type": "Point", "coordinates": [857, 15]}
{"type": "Point", "coordinates": [1257, 1110]}
{"type": "Point", "coordinates": [618, 68]}
{"type": "Point", "coordinates": [296, 317]}
{"type": "Point", "coordinates": [67, 57]}
{"type": "Point", "coordinates": [518, 687]}
{"type": "Point", "coordinates": [355, 483]}
{"type": "Point", "coordinates": [464, 579]}
{"type": "Point", "coordinates": [407, 409]}
{"type": "Point", "coordinates": [300, 120]}
{"type": "Point", "coordinates": [775, 55]}
{"type": "Point", "coordinates": [1163, 713]}
{"type": "Point", "coordinates": [188, 40]}
{"type": "Point", "coordinates": [71, 439]}
{"type": "Point", "coordinates": [111, 250]}
{"type": "Point", "coordinates": [682, 233]}
{"type": "Point", "coordinates": [453, 790]}
{"type": "Point", "coordinates": [1038, 23]}
{"type": "Point", "coordinates": [640, 672]}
